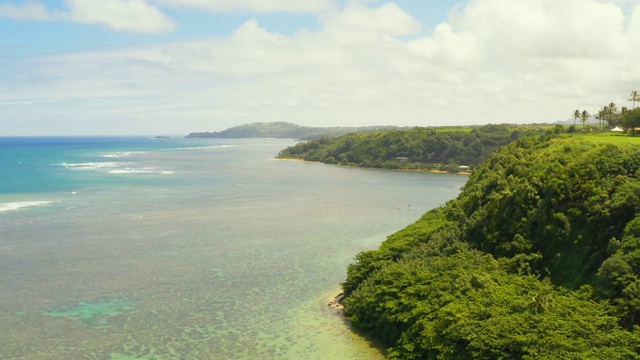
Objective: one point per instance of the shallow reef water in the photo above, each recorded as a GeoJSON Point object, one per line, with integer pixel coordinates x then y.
{"type": "Point", "coordinates": [216, 252]}
{"type": "Point", "coordinates": [97, 313]}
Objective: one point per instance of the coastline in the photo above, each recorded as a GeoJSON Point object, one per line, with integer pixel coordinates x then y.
{"type": "Point", "coordinates": [465, 173]}
{"type": "Point", "coordinates": [292, 159]}
{"type": "Point", "coordinates": [333, 301]}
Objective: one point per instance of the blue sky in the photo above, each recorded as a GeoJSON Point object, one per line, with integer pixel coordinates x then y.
{"type": "Point", "coordinates": [86, 67]}
{"type": "Point", "coordinates": [41, 37]}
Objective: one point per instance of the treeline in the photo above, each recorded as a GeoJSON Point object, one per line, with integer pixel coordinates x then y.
{"type": "Point", "coordinates": [419, 148]}
{"type": "Point", "coordinates": [612, 115]}
{"type": "Point", "coordinates": [538, 258]}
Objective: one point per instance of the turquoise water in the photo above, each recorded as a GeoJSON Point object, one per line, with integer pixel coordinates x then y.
{"type": "Point", "coordinates": [136, 248]}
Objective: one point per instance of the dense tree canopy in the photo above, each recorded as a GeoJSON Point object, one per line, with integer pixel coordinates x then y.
{"type": "Point", "coordinates": [420, 148]}
{"type": "Point", "coordinates": [538, 258]}
{"type": "Point", "coordinates": [631, 119]}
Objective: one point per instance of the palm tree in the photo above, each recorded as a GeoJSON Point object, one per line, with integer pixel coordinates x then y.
{"type": "Point", "coordinates": [602, 115]}
{"type": "Point", "coordinates": [541, 301]}
{"type": "Point", "coordinates": [612, 114]}
{"type": "Point", "coordinates": [635, 96]}
{"type": "Point", "coordinates": [576, 115]}
{"type": "Point", "coordinates": [584, 117]}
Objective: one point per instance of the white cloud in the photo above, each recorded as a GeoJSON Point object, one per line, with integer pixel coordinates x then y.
{"type": "Point", "coordinates": [493, 61]}
{"type": "Point", "coordinates": [634, 29]}
{"type": "Point", "coordinates": [29, 11]}
{"type": "Point", "coordinates": [121, 15]}
{"type": "Point", "coordinates": [361, 23]}
{"type": "Point", "coordinates": [580, 46]}
{"type": "Point", "coordinates": [544, 28]}
{"type": "Point", "coordinates": [259, 6]}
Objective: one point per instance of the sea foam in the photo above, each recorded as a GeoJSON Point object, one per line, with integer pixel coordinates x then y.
{"type": "Point", "coordinates": [141, 171]}
{"type": "Point", "coordinates": [91, 165]}
{"type": "Point", "coordinates": [122, 154]}
{"type": "Point", "coordinates": [201, 147]}
{"type": "Point", "coordinates": [22, 204]}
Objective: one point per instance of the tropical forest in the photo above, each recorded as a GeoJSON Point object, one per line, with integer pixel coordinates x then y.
{"type": "Point", "coordinates": [445, 149]}
{"type": "Point", "coordinates": [537, 258]}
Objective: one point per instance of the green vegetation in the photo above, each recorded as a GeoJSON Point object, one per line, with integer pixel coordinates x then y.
{"type": "Point", "coordinates": [538, 258]}
{"type": "Point", "coordinates": [631, 120]}
{"type": "Point", "coordinates": [285, 130]}
{"type": "Point", "coordinates": [417, 149]}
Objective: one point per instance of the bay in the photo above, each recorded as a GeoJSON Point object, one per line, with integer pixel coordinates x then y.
{"type": "Point", "coordinates": [140, 248]}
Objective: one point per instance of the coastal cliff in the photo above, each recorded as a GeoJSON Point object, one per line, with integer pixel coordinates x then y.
{"type": "Point", "coordinates": [538, 258]}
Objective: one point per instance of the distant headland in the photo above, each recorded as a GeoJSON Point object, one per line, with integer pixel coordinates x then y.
{"type": "Point", "coordinates": [285, 130]}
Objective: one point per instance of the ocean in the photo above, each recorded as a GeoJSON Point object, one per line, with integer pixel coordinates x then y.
{"type": "Point", "coordinates": [144, 248]}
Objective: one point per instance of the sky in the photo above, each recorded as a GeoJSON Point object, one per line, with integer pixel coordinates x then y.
{"type": "Point", "coordinates": [171, 67]}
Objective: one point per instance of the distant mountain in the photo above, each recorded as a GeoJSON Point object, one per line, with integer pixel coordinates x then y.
{"type": "Point", "coordinates": [285, 130]}
{"type": "Point", "coordinates": [592, 121]}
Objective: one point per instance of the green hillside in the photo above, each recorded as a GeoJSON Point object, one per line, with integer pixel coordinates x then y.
{"type": "Point", "coordinates": [417, 148]}
{"type": "Point", "coordinates": [538, 258]}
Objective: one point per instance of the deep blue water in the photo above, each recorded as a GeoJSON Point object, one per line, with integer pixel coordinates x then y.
{"type": "Point", "coordinates": [139, 248]}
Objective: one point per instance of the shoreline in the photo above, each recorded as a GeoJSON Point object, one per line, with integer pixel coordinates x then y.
{"type": "Point", "coordinates": [465, 173]}
{"type": "Point", "coordinates": [333, 301]}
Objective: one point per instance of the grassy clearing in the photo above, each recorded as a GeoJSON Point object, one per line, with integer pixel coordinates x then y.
{"type": "Point", "coordinates": [610, 138]}
{"type": "Point", "coordinates": [465, 129]}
